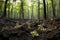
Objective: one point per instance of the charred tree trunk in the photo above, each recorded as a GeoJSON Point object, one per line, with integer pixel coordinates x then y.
{"type": "Point", "coordinates": [44, 9]}
{"type": "Point", "coordinates": [4, 14]}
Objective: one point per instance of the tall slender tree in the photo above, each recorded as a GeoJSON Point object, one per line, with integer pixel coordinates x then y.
{"type": "Point", "coordinates": [1, 7]}
{"type": "Point", "coordinates": [53, 7]}
{"type": "Point", "coordinates": [5, 6]}
{"type": "Point", "coordinates": [32, 12]}
{"type": "Point", "coordinates": [59, 9]}
{"type": "Point", "coordinates": [9, 9]}
{"type": "Point", "coordinates": [12, 12]}
{"type": "Point", "coordinates": [59, 3]}
{"type": "Point", "coordinates": [33, 2]}
{"type": "Point", "coordinates": [22, 9]}
{"type": "Point", "coordinates": [47, 11]}
{"type": "Point", "coordinates": [38, 9]}
{"type": "Point", "coordinates": [44, 9]}
{"type": "Point", "coordinates": [28, 13]}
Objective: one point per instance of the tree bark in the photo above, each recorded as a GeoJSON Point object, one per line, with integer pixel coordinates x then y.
{"type": "Point", "coordinates": [9, 9]}
{"type": "Point", "coordinates": [44, 9]}
{"type": "Point", "coordinates": [32, 12]}
{"type": "Point", "coordinates": [47, 11]}
{"type": "Point", "coordinates": [22, 9]}
{"type": "Point", "coordinates": [28, 13]}
{"type": "Point", "coordinates": [39, 9]}
{"type": "Point", "coordinates": [53, 6]}
{"type": "Point", "coordinates": [4, 14]}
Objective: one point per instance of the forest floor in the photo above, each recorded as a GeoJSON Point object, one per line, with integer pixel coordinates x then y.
{"type": "Point", "coordinates": [27, 29]}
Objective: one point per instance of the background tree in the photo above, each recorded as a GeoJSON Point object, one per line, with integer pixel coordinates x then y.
{"type": "Point", "coordinates": [44, 9]}
{"type": "Point", "coordinates": [53, 8]}
{"type": "Point", "coordinates": [32, 9]}
{"type": "Point", "coordinates": [8, 8]}
{"type": "Point", "coordinates": [1, 7]}
{"type": "Point", "coordinates": [5, 6]}
{"type": "Point", "coordinates": [38, 9]}
{"type": "Point", "coordinates": [28, 13]}
{"type": "Point", "coordinates": [22, 10]}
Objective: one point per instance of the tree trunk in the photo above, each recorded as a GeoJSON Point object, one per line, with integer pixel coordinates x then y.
{"type": "Point", "coordinates": [59, 3]}
{"type": "Point", "coordinates": [12, 12]}
{"type": "Point", "coordinates": [9, 9]}
{"type": "Point", "coordinates": [1, 8]}
{"type": "Point", "coordinates": [59, 9]}
{"type": "Point", "coordinates": [28, 13]}
{"type": "Point", "coordinates": [4, 14]}
{"type": "Point", "coordinates": [32, 12]}
{"type": "Point", "coordinates": [53, 6]}
{"type": "Point", "coordinates": [47, 10]}
{"type": "Point", "coordinates": [44, 9]}
{"type": "Point", "coordinates": [39, 9]}
{"type": "Point", "coordinates": [22, 9]}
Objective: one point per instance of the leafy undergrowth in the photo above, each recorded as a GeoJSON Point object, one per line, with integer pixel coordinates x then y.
{"type": "Point", "coordinates": [11, 29]}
